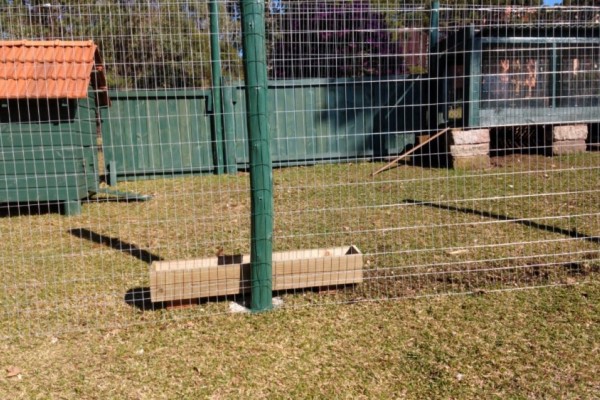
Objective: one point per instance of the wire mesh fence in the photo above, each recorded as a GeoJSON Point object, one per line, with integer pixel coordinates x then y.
{"type": "Point", "coordinates": [418, 150]}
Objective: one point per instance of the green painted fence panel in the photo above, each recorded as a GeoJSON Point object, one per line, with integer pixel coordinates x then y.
{"type": "Point", "coordinates": [322, 120]}
{"type": "Point", "coordinates": [158, 132]}
{"type": "Point", "coordinates": [149, 133]}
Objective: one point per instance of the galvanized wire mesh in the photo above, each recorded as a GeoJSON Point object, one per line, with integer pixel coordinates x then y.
{"type": "Point", "coordinates": [353, 85]}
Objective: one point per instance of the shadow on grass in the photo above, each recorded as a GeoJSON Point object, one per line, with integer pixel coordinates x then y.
{"type": "Point", "coordinates": [117, 244]}
{"type": "Point", "coordinates": [140, 298]}
{"type": "Point", "coordinates": [8, 210]}
{"type": "Point", "coordinates": [548, 228]}
{"type": "Point", "coordinates": [114, 199]}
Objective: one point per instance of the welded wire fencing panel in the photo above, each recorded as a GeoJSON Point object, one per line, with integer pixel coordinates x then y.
{"type": "Point", "coordinates": [76, 251]}
{"type": "Point", "coordinates": [501, 145]}
{"type": "Point", "coordinates": [489, 118]}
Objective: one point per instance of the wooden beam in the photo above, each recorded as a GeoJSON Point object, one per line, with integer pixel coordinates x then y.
{"type": "Point", "coordinates": [417, 147]}
{"type": "Point", "coordinates": [190, 279]}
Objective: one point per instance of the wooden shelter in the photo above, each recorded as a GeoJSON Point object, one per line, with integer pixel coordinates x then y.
{"type": "Point", "coordinates": [50, 92]}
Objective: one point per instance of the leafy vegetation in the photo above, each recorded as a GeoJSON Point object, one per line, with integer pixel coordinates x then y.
{"type": "Point", "coordinates": [165, 43]}
{"type": "Point", "coordinates": [334, 40]}
{"type": "Point", "coordinates": [149, 44]}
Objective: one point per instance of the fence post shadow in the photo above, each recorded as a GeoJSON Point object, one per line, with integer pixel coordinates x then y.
{"type": "Point", "coordinates": [501, 217]}
{"type": "Point", "coordinates": [115, 243]}
{"type": "Point", "coordinates": [140, 298]}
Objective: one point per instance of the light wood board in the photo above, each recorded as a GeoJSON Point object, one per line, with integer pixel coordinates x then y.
{"type": "Point", "coordinates": [199, 278]}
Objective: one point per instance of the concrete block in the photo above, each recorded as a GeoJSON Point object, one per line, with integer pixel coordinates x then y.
{"type": "Point", "coordinates": [468, 150]}
{"type": "Point", "coordinates": [475, 136]}
{"type": "Point", "coordinates": [568, 147]}
{"type": "Point", "coordinates": [570, 132]}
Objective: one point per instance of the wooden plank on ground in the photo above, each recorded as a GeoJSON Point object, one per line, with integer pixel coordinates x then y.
{"type": "Point", "coordinates": [199, 278]}
{"type": "Point", "coordinates": [417, 147]}
{"type": "Point", "coordinates": [204, 281]}
{"type": "Point", "coordinates": [568, 147]}
{"type": "Point", "coordinates": [303, 281]}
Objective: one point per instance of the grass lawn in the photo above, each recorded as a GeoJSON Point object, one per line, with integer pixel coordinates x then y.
{"type": "Point", "coordinates": [75, 321]}
{"type": "Point", "coordinates": [528, 221]}
{"type": "Point", "coordinates": [541, 343]}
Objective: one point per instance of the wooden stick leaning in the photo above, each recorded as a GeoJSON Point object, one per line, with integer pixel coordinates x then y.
{"type": "Point", "coordinates": [417, 147]}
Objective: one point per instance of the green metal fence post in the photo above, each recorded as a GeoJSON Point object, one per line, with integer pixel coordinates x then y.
{"type": "Point", "coordinates": [215, 55]}
{"type": "Point", "coordinates": [261, 178]}
{"type": "Point", "coordinates": [433, 67]}
{"type": "Point", "coordinates": [229, 129]}
{"type": "Point", "coordinates": [434, 24]}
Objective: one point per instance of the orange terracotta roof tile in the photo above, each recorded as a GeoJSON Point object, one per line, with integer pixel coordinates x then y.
{"type": "Point", "coordinates": [46, 69]}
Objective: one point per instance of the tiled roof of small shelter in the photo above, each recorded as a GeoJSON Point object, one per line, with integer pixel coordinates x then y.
{"type": "Point", "coordinates": [47, 69]}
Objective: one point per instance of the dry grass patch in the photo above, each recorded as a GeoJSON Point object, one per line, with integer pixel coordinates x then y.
{"type": "Point", "coordinates": [518, 344]}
